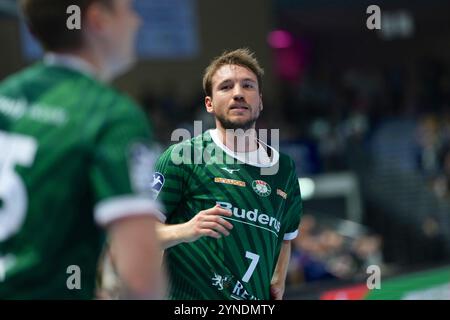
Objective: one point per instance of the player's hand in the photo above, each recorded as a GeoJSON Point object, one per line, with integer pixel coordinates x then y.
{"type": "Point", "coordinates": [276, 291]}
{"type": "Point", "coordinates": [208, 223]}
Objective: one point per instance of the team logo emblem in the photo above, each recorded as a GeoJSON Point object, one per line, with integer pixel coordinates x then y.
{"type": "Point", "coordinates": [230, 171]}
{"type": "Point", "coordinates": [221, 282]}
{"type": "Point", "coordinates": [157, 183]}
{"type": "Point", "coordinates": [262, 188]}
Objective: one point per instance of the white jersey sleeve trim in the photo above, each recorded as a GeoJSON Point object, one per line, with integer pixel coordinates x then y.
{"type": "Point", "coordinates": [291, 235]}
{"type": "Point", "coordinates": [115, 208]}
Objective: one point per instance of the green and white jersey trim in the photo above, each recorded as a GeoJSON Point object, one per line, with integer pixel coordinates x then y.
{"type": "Point", "coordinates": [291, 235]}
{"type": "Point", "coordinates": [215, 135]}
{"type": "Point", "coordinates": [120, 207]}
{"type": "Point", "coordinates": [69, 61]}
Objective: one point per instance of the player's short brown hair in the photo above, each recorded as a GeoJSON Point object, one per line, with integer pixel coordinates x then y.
{"type": "Point", "coordinates": [47, 19]}
{"type": "Point", "coordinates": [241, 57]}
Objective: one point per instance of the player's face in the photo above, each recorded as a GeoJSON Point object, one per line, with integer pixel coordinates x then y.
{"type": "Point", "coordinates": [122, 31]}
{"type": "Point", "coordinates": [236, 101]}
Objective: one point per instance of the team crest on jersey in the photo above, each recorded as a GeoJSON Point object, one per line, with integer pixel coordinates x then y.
{"type": "Point", "coordinates": [221, 282]}
{"type": "Point", "coordinates": [262, 188]}
{"type": "Point", "coordinates": [157, 183]}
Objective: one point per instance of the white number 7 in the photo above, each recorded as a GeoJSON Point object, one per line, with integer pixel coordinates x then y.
{"type": "Point", "coordinates": [255, 258]}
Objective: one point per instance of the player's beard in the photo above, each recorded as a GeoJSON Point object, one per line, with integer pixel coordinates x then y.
{"type": "Point", "coordinates": [234, 125]}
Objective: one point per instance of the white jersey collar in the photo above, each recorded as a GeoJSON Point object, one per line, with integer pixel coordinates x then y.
{"type": "Point", "coordinates": [70, 61]}
{"type": "Point", "coordinates": [258, 158]}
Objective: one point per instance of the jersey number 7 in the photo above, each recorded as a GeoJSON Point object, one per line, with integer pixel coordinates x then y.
{"type": "Point", "coordinates": [255, 259]}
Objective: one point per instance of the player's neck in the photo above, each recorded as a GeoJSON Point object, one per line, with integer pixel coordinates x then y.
{"type": "Point", "coordinates": [96, 61]}
{"type": "Point", "coordinates": [236, 142]}
{"type": "Point", "coordinates": [87, 57]}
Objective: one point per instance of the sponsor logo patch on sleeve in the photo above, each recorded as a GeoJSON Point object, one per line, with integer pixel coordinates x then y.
{"type": "Point", "coordinates": [229, 181]}
{"type": "Point", "coordinates": [282, 194]}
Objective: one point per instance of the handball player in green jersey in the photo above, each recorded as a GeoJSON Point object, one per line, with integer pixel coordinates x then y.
{"type": "Point", "coordinates": [232, 212]}
{"type": "Point", "coordinates": [74, 155]}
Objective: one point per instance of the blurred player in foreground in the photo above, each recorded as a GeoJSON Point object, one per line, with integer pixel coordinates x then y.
{"type": "Point", "coordinates": [230, 218]}
{"type": "Point", "coordinates": [74, 155]}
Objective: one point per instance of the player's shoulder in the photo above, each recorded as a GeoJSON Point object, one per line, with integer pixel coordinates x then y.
{"type": "Point", "coordinates": [69, 84]}
{"type": "Point", "coordinates": [286, 162]}
{"type": "Point", "coordinates": [113, 99]}
{"type": "Point", "coordinates": [184, 152]}
{"type": "Point", "coordinates": [285, 158]}
{"type": "Point", "coordinates": [121, 99]}
{"type": "Point", "coordinates": [15, 81]}
{"type": "Point", "coordinates": [199, 141]}
{"type": "Point", "coordinates": [107, 102]}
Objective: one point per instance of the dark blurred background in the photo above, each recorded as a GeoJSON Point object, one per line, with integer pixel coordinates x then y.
{"type": "Point", "coordinates": [364, 113]}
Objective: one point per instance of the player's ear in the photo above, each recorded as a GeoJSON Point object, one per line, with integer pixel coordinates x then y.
{"type": "Point", "coordinates": [96, 18]}
{"type": "Point", "coordinates": [209, 104]}
{"type": "Point", "coordinates": [261, 106]}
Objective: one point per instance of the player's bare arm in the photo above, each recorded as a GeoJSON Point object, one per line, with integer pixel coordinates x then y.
{"type": "Point", "coordinates": [277, 284]}
{"type": "Point", "coordinates": [206, 223]}
{"type": "Point", "coordinates": [136, 258]}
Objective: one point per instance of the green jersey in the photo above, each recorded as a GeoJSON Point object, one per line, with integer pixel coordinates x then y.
{"type": "Point", "coordinates": [72, 154]}
{"type": "Point", "coordinates": [266, 210]}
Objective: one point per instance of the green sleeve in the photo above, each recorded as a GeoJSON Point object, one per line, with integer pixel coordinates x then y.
{"type": "Point", "coordinates": [294, 207]}
{"type": "Point", "coordinates": [172, 168]}
{"type": "Point", "coordinates": [171, 173]}
{"type": "Point", "coordinates": [122, 165]}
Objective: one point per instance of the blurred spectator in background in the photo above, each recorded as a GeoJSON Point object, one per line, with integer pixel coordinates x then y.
{"type": "Point", "coordinates": [441, 184]}
{"type": "Point", "coordinates": [321, 252]}
{"type": "Point", "coordinates": [430, 143]}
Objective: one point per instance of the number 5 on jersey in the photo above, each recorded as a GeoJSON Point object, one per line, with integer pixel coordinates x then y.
{"type": "Point", "coordinates": [15, 150]}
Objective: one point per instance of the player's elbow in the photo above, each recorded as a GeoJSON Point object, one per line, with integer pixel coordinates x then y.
{"type": "Point", "coordinates": [137, 257]}
{"type": "Point", "coordinates": [139, 286]}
